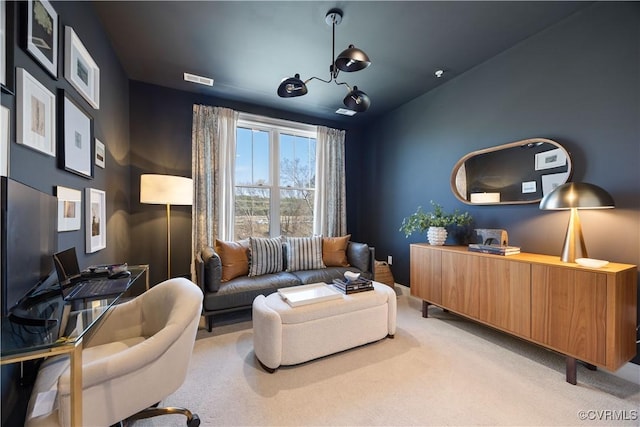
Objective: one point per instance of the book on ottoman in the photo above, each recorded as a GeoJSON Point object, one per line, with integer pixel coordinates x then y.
{"type": "Point", "coordinates": [353, 286]}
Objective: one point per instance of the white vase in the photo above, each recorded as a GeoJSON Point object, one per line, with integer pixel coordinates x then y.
{"type": "Point", "coordinates": [437, 235]}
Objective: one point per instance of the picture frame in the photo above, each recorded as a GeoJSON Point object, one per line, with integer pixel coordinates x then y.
{"type": "Point", "coordinates": [95, 220]}
{"type": "Point", "coordinates": [553, 180]}
{"type": "Point", "coordinates": [529, 187]}
{"type": "Point", "coordinates": [5, 130]}
{"type": "Point", "coordinates": [42, 34]}
{"type": "Point", "coordinates": [100, 154]}
{"type": "Point", "coordinates": [69, 208]}
{"type": "Point", "coordinates": [80, 69]}
{"type": "Point", "coordinates": [550, 159]}
{"type": "Point", "coordinates": [35, 114]}
{"type": "Point", "coordinates": [75, 138]}
{"type": "Point", "coordinates": [3, 43]}
{"type": "Point", "coordinates": [7, 76]}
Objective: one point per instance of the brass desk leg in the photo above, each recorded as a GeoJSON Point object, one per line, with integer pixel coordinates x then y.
{"type": "Point", "coordinates": [76, 384]}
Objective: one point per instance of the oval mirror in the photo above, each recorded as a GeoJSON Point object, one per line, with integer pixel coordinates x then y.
{"type": "Point", "coordinates": [514, 173]}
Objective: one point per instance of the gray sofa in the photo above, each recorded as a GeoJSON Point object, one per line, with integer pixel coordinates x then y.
{"type": "Point", "coordinates": [239, 293]}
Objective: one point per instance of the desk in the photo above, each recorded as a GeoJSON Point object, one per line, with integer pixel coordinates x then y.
{"type": "Point", "coordinates": [22, 342]}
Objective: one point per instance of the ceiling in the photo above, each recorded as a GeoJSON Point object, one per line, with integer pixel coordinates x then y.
{"type": "Point", "coordinates": [249, 47]}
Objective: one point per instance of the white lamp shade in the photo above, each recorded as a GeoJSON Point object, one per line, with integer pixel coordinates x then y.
{"type": "Point", "coordinates": [166, 190]}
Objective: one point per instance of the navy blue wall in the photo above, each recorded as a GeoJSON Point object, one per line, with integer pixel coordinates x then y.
{"type": "Point", "coordinates": [576, 83]}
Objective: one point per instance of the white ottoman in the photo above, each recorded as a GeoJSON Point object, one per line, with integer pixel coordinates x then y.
{"type": "Point", "coordinates": [285, 335]}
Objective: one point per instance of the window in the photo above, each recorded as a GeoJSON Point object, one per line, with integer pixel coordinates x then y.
{"type": "Point", "coordinates": [274, 178]}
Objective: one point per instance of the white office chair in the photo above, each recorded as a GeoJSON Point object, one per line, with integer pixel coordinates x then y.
{"type": "Point", "coordinates": [138, 356]}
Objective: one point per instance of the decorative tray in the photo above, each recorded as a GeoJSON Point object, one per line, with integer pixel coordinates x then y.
{"type": "Point", "coordinates": [591, 262]}
{"type": "Point", "coordinates": [308, 294]}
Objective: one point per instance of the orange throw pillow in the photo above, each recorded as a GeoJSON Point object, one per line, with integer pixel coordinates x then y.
{"type": "Point", "coordinates": [234, 258]}
{"type": "Point", "coordinates": [334, 251]}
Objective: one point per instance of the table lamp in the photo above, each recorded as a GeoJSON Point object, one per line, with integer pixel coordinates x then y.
{"type": "Point", "coordinates": [574, 196]}
{"type": "Point", "coordinates": [166, 190]}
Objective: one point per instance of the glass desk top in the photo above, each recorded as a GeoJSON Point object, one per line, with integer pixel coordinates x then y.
{"type": "Point", "coordinates": [62, 322]}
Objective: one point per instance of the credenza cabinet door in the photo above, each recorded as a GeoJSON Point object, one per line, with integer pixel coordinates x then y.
{"type": "Point", "coordinates": [569, 311]}
{"type": "Point", "coordinates": [493, 290]}
{"type": "Point", "coordinates": [425, 274]}
{"type": "Point", "coordinates": [505, 295]}
{"type": "Point", "coordinates": [461, 283]}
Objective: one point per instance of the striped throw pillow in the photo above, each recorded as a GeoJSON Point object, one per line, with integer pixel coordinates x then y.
{"type": "Point", "coordinates": [304, 253]}
{"type": "Point", "coordinates": [266, 255]}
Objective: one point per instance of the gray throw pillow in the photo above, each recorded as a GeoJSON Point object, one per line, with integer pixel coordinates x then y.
{"type": "Point", "coordinates": [304, 253]}
{"type": "Point", "coordinates": [266, 255]}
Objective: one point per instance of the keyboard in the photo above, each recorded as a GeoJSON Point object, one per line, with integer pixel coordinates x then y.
{"type": "Point", "coordinates": [98, 287]}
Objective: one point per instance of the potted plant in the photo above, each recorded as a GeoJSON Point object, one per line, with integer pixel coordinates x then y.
{"type": "Point", "coordinates": [434, 222]}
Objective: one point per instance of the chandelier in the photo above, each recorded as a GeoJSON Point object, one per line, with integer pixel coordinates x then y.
{"type": "Point", "coordinates": [351, 59]}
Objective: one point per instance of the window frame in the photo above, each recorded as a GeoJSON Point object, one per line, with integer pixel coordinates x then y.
{"type": "Point", "coordinates": [275, 127]}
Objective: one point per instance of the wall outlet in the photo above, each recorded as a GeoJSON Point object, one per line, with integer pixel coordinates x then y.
{"type": "Point", "coordinates": [389, 260]}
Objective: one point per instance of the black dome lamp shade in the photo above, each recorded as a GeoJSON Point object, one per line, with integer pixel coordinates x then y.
{"type": "Point", "coordinates": [357, 100]}
{"type": "Point", "coordinates": [351, 59]}
{"type": "Point", "coordinates": [291, 87]}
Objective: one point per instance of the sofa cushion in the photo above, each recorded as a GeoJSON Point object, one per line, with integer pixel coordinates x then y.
{"type": "Point", "coordinates": [358, 255]}
{"type": "Point", "coordinates": [325, 275]}
{"type": "Point", "coordinates": [241, 291]}
{"type": "Point", "coordinates": [304, 253]}
{"type": "Point", "coordinates": [266, 255]}
{"type": "Point", "coordinates": [234, 257]}
{"type": "Point", "coordinates": [334, 251]}
{"type": "Point", "coordinates": [212, 269]}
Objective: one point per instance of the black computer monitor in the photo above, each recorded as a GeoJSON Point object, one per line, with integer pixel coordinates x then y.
{"type": "Point", "coordinates": [29, 240]}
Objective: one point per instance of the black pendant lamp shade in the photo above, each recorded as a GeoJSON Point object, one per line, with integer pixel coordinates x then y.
{"type": "Point", "coordinates": [352, 59]}
{"type": "Point", "coordinates": [357, 100]}
{"type": "Point", "coordinates": [291, 87]}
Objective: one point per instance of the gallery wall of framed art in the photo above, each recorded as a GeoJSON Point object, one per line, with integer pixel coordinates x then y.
{"type": "Point", "coordinates": [62, 130]}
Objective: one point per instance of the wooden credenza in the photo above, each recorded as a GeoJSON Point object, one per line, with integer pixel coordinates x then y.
{"type": "Point", "coordinates": [584, 313]}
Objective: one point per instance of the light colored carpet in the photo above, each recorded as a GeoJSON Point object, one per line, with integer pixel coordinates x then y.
{"type": "Point", "coordinates": [438, 371]}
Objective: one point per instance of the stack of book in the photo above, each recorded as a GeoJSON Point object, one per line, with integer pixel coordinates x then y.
{"type": "Point", "coordinates": [494, 249]}
{"type": "Point", "coordinates": [352, 286]}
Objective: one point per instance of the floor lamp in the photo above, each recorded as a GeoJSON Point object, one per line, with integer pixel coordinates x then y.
{"type": "Point", "coordinates": [166, 190]}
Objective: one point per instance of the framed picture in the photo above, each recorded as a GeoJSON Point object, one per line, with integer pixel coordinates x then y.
{"type": "Point", "coordinates": [80, 69]}
{"type": "Point", "coordinates": [529, 187]}
{"type": "Point", "coordinates": [100, 153]}
{"type": "Point", "coordinates": [5, 130]}
{"type": "Point", "coordinates": [6, 46]}
{"type": "Point", "coordinates": [3, 43]}
{"type": "Point", "coordinates": [35, 114]}
{"type": "Point", "coordinates": [95, 220]}
{"type": "Point", "coordinates": [550, 159]}
{"type": "Point", "coordinates": [69, 208]}
{"type": "Point", "coordinates": [551, 181]}
{"type": "Point", "coordinates": [42, 34]}
{"type": "Point", "coordinates": [76, 137]}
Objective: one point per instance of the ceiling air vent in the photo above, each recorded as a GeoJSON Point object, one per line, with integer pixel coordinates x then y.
{"type": "Point", "coordinates": [345, 112]}
{"type": "Point", "coordinates": [198, 79]}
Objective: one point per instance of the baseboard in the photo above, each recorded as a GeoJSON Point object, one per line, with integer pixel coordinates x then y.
{"type": "Point", "coordinates": [402, 290]}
